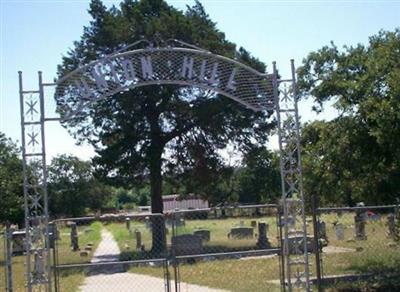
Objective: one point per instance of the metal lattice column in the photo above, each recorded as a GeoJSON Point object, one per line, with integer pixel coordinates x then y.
{"type": "Point", "coordinates": [35, 188]}
{"type": "Point", "coordinates": [295, 253]}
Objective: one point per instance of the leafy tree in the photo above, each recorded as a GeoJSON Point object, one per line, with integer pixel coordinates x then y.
{"type": "Point", "coordinates": [135, 132]}
{"type": "Point", "coordinates": [72, 187]}
{"type": "Point", "coordinates": [259, 178]}
{"type": "Point", "coordinates": [357, 155]}
{"type": "Point", "coordinates": [11, 181]}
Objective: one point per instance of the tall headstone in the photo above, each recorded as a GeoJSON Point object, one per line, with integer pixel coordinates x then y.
{"type": "Point", "coordinates": [359, 222]}
{"type": "Point", "coordinates": [138, 237]}
{"type": "Point", "coordinates": [147, 222]}
{"type": "Point", "coordinates": [339, 231]}
{"type": "Point", "coordinates": [262, 241]}
{"type": "Point", "coordinates": [322, 230]}
{"type": "Point", "coordinates": [53, 234]}
{"type": "Point", "coordinates": [128, 224]}
{"type": "Point", "coordinates": [74, 237]}
{"type": "Point", "coordinates": [391, 223]}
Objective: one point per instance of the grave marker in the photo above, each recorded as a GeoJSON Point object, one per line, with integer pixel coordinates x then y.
{"type": "Point", "coordinates": [74, 237]}
{"type": "Point", "coordinates": [339, 231]}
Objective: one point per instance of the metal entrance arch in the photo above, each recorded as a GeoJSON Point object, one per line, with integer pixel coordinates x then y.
{"type": "Point", "coordinates": [180, 64]}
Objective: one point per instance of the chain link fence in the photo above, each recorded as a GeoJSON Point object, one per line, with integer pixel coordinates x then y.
{"type": "Point", "coordinates": [212, 250]}
{"type": "Point", "coordinates": [360, 245]}
{"type": "Point", "coordinates": [219, 249]}
{"type": "Point", "coordinates": [234, 249]}
{"type": "Point", "coordinates": [3, 270]}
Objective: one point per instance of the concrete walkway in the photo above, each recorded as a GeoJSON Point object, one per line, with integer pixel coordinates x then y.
{"type": "Point", "coordinates": [115, 278]}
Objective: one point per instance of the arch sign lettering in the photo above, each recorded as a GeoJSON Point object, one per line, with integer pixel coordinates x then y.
{"type": "Point", "coordinates": [170, 65]}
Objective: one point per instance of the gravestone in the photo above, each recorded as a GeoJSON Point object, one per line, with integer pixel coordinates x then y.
{"type": "Point", "coordinates": [359, 221]}
{"type": "Point", "coordinates": [138, 237]}
{"type": "Point", "coordinates": [322, 231]}
{"type": "Point", "coordinates": [74, 237]}
{"type": "Point", "coordinates": [180, 222]}
{"type": "Point", "coordinates": [18, 238]}
{"type": "Point", "coordinates": [391, 223]}
{"type": "Point", "coordinates": [203, 233]}
{"type": "Point", "coordinates": [53, 231]}
{"type": "Point", "coordinates": [187, 244]}
{"type": "Point", "coordinates": [128, 224]}
{"type": "Point", "coordinates": [262, 241]}
{"type": "Point", "coordinates": [296, 243]}
{"type": "Point", "coordinates": [54, 234]}
{"type": "Point", "coordinates": [339, 231]}
{"type": "Point", "coordinates": [147, 222]}
{"type": "Point", "coordinates": [241, 232]}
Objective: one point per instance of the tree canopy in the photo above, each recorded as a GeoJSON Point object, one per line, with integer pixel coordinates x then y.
{"type": "Point", "coordinates": [355, 157]}
{"type": "Point", "coordinates": [11, 179]}
{"type": "Point", "coordinates": [137, 131]}
{"type": "Point", "coordinates": [73, 188]}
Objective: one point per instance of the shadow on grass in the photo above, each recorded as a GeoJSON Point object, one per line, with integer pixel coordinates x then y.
{"type": "Point", "coordinates": [209, 249]}
{"type": "Point", "coordinates": [71, 271]}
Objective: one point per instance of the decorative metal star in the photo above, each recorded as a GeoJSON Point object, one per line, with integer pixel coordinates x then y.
{"type": "Point", "coordinates": [33, 137]}
{"type": "Point", "coordinates": [31, 107]}
{"type": "Point", "coordinates": [286, 95]}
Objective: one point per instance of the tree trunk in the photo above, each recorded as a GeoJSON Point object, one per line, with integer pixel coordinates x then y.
{"type": "Point", "coordinates": [158, 226]}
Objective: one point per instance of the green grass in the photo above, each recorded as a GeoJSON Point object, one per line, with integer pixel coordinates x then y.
{"type": "Point", "coordinates": [374, 255]}
{"type": "Point", "coordinates": [252, 275]}
{"type": "Point", "coordinates": [70, 279]}
{"type": "Point", "coordinates": [219, 235]}
{"type": "Point", "coordinates": [232, 274]}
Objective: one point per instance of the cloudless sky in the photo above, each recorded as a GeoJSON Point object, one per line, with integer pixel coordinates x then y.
{"type": "Point", "coordinates": [35, 34]}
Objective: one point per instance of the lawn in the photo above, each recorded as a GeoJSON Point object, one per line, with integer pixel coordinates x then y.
{"type": "Point", "coordinates": [372, 255]}
{"type": "Point", "coordinates": [69, 279]}
{"type": "Point", "coordinates": [219, 229]}
{"type": "Point", "coordinates": [376, 254]}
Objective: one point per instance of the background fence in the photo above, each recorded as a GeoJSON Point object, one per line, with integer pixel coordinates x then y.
{"type": "Point", "coordinates": [219, 249]}
{"type": "Point", "coordinates": [359, 244]}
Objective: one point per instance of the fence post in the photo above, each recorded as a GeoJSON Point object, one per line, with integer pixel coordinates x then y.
{"type": "Point", "coordinates": [314, 207]}
{"type": "Point", "coordinates": [8, 238]}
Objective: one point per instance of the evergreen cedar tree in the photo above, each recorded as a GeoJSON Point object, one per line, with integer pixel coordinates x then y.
{"type": "Point", "coordinates": [356, 156]}
{"type": "Point", "coordinates": [141, 133]}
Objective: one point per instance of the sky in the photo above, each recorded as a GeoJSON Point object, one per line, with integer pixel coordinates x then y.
{"type": "Point", "coordinates": [35, 34]}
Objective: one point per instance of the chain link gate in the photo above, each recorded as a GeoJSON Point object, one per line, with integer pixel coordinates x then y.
{"type": "Point", "coordinates": [196, 241]}
{"type": "Point", "coordinates": [173, 63]}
